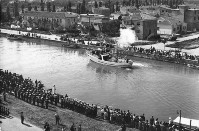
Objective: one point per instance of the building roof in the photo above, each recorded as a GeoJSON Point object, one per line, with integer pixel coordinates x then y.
{"type": "Point", "coordinates": [102, 8]}
{"type": "Point", "coordinates": [165, 7]}
{"type": "Point", "coordinates": [169, 20]}
{"type": "Point", "coordinates": [55, 15]}
{"type": "Point", "coordinates": [147, 17]}
{"type": "Point", "coordinates": [140, 16]}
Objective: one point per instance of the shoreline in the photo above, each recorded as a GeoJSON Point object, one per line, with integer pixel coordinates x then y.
{"type": "Point", "coordinates": [38, 114]}
{"type": "Point", "coordinates": [187, 62]}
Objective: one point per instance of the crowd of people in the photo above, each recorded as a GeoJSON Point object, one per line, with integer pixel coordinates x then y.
{"type": "Point", "coordinates": [4, 111]}
{"type": "Point", "coordinates": [173, 56]}
{"type": "Point", "coordinates": [35, 94]}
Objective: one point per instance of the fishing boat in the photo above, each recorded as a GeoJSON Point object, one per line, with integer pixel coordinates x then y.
{"type": "Point", "coordinates": [108, 59]}
{"type": "Point", "coordinates": [13, 37]}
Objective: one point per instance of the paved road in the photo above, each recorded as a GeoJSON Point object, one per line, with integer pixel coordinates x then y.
{"type": "Point", "coordinates": [14, 124]}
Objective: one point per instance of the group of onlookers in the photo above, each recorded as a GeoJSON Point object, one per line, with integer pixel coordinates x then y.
{"type": "Point", "coordinates": [173, 56]}
{"type": "Point", "coordinates": [34, 93]}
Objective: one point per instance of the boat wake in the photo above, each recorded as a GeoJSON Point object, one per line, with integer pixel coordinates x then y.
{"type": "Point", "coordinates": [139, 64]}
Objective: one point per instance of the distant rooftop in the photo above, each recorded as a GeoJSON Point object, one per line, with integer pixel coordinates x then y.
{"type": "Point", "coordinates": [55, 15]}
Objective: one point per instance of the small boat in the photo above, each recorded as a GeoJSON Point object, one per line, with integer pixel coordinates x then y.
{"type": "Point", "coordinates": [13, 37]}
{"type": "Point", "coordinates": [107, 59]}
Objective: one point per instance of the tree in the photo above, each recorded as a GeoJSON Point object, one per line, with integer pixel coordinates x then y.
{"type": "Point", "coordinates": [49, 6]}
{"type": "Point", "coordinates": [177, 3]}
{"type": "Point", "coordinates": [54, 8]}
{"type": "Point", "coordinates": [42, 5]}
{"type": "Point", "coordinates": [170, 3]}
{"type": "Point", "coordinates": [1, 14]}
{"type": "Point", "coordinates": [113, 9]}
{"type": "Point", "coordinates": [8, 18]}
{"type": "Point", "coordinates": [100, 4]}
{"type": "Point", "coordinates": [136, 4]}
{"type": "Point", "coordinates": [111, 28]}
{"type": "Point", "coordinates": [22, 8]}
{"type": "Point", "coordinates": [69, 6]}
{"type": "Point", "coordinates": [29, 7]}
{"type": "Point", "coordinates": [16, 10]}
{"type": "Point", "coordinates": [83, 7]}
{"type": "Point", "coordinates": [117, 6]}
{"type": "Point", "coordinates": [65, 8]}
{"type": "Point", "coordinates": [109, 4]}
{"type": "Point", "coordinates": [35, 8]}
{"type": "Point", "coordinates": [96, 5]}
{"type": "Point", "coordinates": [123, 2]}
{"type": "Point", "coordinates": [173, 3]}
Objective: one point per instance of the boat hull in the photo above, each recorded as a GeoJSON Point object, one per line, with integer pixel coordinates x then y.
{"type": "Point", "coordinates": [109, 63]}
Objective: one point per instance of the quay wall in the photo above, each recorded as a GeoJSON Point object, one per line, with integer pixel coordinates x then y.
{"type": "Point", "coordinates": [51, 37]}
{"type": "Point", "coordinates": [187, 62]}
{"type": "Point", "coordinates": [56, 38]}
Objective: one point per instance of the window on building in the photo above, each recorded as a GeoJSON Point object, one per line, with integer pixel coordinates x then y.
{"type": "Point", "coordinates": [178, 28]}
{"type": "Point", "coordinates": [138, 23]}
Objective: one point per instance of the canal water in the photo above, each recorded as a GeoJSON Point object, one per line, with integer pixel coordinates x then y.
{"type": "Point", "coordinates": [155, 88]}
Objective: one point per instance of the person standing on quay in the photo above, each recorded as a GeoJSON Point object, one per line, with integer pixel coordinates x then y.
{"type": "Point", "coordinates": [72, 128]}
{"type": "Point", "coordinates": [79, 128]}
{"type": "Point", "coordinates": [152, 121]}
{"type": "Point", "coordinates": [46, 127]}
{"type": "Point", "coordinates": [57, 118]}
{"type": "Point", "coordinates": [4, 95]}
{"type": "Point", "coordinates": [22, 118]}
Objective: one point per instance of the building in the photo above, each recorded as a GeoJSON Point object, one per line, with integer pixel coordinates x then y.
{"type": "Point", "coordinates": [129, 10]}
{"type": "Point", "coordinates": [145, 26]}
{"type": "Point", "coordinates": [150, 10]}
{"type": "Point", "coordinates": [49, 20]}
{"type": "Point", "coordinates": [93, 19]}
{"type": "Point", "coordinates": [185, 14]}
{"type": "Point", "coordinates": [102, 11]}
{"type": "Point", "coordinates": [91, 5]}
{"type": "Point", "coordinates": [170, 26]}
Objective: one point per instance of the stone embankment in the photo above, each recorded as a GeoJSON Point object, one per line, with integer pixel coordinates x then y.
{"type": "Point", "coordinates": [160, 55]}
{"type": "Point", "coordinates": [51, 37]}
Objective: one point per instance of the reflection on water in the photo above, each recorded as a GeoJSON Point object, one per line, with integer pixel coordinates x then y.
{"type": "Point", "coordinates": [154, 88]}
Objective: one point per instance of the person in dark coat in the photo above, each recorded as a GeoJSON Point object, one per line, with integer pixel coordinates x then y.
{"type": "Point", "coordinates": [152, 121]}
{"type": "Point", "coordinates": [46, 127]}
{"type": "Point", "coordinates": [123, 127]}
{"type": "Point", "coordinates": [57, 118]}
{"type": "Point", "coordinates": [72, 128]}
{"type": "Point", "coordinates": [4, 96]}
{"type": "Point", "coordinates": [79, 128]}
{"type": "Point", "coordinates": [22, 118]}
